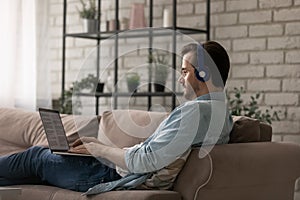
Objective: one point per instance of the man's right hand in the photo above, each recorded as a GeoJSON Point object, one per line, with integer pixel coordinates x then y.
{"type": "Point", "coordinates": [83, 140]}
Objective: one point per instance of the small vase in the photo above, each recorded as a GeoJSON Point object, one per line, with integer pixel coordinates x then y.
{"type": "Point", "coordinates": [90, 25]}
{"type": "Point", "coordinates": [167, 18]}
{"type": "Point", "coordinates": [109, 83]}
{"type": "Point", "coordinates": [99, 88]}
{"type": "Point", "coordinates": [159, 87]}
{"type": "Point", "coordinates": [137, 19]}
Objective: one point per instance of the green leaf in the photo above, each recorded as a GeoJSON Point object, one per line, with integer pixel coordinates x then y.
{"type": "Point", "coordinates": [238, 107]}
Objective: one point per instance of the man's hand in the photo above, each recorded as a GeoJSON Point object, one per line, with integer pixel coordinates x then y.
{"type": "Point", "coordinates": [90, 145]}
{"type": "Point", "coordinates": [82, 140]}
{"type": "Point", "coordinates": [86, 145]}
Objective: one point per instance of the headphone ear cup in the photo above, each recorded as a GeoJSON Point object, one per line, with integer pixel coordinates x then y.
{"type": "Point", "coordinates": [201, 72]}
{"type": "Point", "coordinates": [202, 75]}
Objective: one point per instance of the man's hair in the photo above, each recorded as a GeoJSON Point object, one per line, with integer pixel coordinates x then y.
{"type": "Point", "coordinates": [219, 57]}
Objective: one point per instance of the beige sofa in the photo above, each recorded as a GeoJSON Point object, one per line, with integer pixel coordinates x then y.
{"type": "Point", "coordinates": [250, 167]}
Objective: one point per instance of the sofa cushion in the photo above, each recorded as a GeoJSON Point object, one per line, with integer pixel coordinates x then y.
{"type": "Point", "coordinates": [20, 129]}
{"type": "Point", "coordinates": [265, 132]}
{"type": "Point", "coordinates": [245, 129]}
{"type": "Point", "coordinates": [125, 128]}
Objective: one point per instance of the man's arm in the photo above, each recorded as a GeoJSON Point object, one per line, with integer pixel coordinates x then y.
{"type": "Point", "coordinates": [172, 138]}
{"type": "Point", "coordinates": [89, 145]}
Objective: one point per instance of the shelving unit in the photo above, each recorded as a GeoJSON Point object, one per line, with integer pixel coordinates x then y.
{"type": "Point", "coordinates": [139, 33]}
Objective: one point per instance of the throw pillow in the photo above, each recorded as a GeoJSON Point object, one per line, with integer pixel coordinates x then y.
{"type": "Point", "coordinates": [245, 129]}
{"type": "Point", "coordinates": [125, 128]}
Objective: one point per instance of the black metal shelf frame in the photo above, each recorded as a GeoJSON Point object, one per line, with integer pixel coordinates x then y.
{"type": "Point", "coordinates": [150, 33]}
{"type": "Point", "coordinates": [127, 94]}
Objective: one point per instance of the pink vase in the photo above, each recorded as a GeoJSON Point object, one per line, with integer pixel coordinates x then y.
{"type": "Point", "coordinates": [137, 19]}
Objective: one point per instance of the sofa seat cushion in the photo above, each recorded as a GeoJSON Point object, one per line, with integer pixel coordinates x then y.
{"type": "Point", "coordinates": [38, 192]}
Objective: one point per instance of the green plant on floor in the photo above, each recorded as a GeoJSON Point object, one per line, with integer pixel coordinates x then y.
{"type": "Point", "coordinates": [238, 107]}
{"type": "Point", "coordinates": [87, 83]}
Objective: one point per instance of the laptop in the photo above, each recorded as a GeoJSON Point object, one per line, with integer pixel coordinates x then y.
{"type": "Point", "coordinates": [55, 133]}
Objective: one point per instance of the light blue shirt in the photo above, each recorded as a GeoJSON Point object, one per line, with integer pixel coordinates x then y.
{"type": "Point", "coordinates": [203, 121]}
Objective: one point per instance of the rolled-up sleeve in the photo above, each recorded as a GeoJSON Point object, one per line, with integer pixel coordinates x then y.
{"type": "Point", "coordinates": [171, 139]}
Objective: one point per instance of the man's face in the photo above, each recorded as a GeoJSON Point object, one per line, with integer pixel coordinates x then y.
{"type": "Point", "coordinates": [188, 79]}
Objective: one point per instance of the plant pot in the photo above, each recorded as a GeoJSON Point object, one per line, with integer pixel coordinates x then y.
{"type": "Point", "coordinates": [90, 25]}
{"type": "Point", "coordinates": [159, 87]}
{"type": "Point", "coordinates": [99, 88]}
{"type": "Point", "coordinates": [133, 81]}
{"type": "Point", "coordinates": [132, 86]}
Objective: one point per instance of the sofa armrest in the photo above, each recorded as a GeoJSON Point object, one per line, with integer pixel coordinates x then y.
{"type": "Point", "coordinates": [262, 170]}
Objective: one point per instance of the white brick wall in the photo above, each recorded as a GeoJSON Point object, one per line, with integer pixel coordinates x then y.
{"type": "Point", "coordinates": [249, 44]}
{"type": "Point", "coordinates": [240, 5]}
{"type": "Point", "coordinates": [247, 72]}
{"type": "Point", "coordinates": [266, 85]}
{"type": "Point", "coordinates": [287, 14]}
{"type": "Point", "coordinates": [261, 36]}
{"type": "Point", "coordinates": [291, 28]}
{"type": "Point", "coordinates": [293, 57]}
{"type": "Point", "coordinates": [274, 3]}
{"type": "Point", "coordinates": [284, 99]}
{"type": "Point", "coordinates": [283, 71]}
{"type": "Point", "coordinates": [267, 57]}
{"type": "Point", "coordinates": [231, 32]}
{"type": "Point", "coordinates": [265, 30]}
{"type": "Point", "coordinates": [255, 17]}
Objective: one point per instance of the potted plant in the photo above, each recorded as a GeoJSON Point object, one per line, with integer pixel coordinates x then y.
{"type": "Point", "coordinates": [89, 13]}
{"type": "Point", "coordinates": [161, 70]}
{"type": "Point", "coordinates": [133, 81]}
{"type": "Point", "coordinates": [87, 84]}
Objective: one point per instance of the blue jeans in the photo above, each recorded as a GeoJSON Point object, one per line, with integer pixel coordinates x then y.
{"type": "Point", "coordinates": [38, 165]}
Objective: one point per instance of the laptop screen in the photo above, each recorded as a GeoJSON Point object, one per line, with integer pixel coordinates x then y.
{"type": "Point", "coordinates": [54, 130]}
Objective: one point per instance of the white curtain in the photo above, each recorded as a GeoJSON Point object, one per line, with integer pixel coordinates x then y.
{"type": "Point", "coordinates": [24, 71]}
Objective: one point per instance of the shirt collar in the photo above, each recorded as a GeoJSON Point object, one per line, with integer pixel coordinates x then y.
{"type": "Point", "coordinates": [219, 96]}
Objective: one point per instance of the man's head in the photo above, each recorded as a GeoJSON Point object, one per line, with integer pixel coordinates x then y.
{"type": "Point", "coordinates": [211, 61]}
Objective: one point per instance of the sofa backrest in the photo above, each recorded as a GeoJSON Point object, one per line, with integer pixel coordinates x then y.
{"type": "Point", "coordinates": [255, 170]}
{"type": "Point", "coordinates": [198, 170]}
{"type": "Point", "coordinates": [123, 128]}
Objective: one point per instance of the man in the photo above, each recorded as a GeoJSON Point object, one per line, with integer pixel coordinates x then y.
{"type": "Point", "coordinates": [203, 120]}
